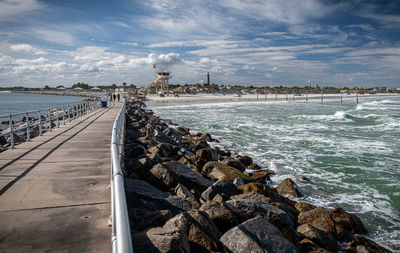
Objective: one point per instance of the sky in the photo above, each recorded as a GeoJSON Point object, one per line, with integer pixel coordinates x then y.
{"type": "Point", "coordinates": [240, 42]}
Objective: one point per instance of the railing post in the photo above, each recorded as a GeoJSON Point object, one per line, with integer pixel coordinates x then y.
{"type": "Point", "coordinates": [49, 112]}
{"type": "Point", "coordinates": [58, 118]}
{"type": "Point", "coordinates": [64, 115]}
{"type": "Point", "coordinates": [28, 135]}
{"type": "Point", "coordinates": [74, 111]}
{"type": "Point", "coordinates": [10, 122]}
{"type": "Point", "coordinates": [40, 123]}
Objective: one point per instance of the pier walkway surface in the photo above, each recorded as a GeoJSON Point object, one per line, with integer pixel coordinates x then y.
{"type": "Point", "coordinates": [54, 190]}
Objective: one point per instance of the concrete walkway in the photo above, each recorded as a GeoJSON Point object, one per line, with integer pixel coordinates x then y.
{"type": "Point", "coordinates": [54, 190]}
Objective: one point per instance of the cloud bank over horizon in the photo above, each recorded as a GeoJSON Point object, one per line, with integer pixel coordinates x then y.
{"type": "Point", "coordinates": [246, 42]}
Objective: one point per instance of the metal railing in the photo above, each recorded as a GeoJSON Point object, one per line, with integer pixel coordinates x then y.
{"type": "Point", "coordinates": [121, 233]}
{"type": "Point", "coordinates": [36, 122]}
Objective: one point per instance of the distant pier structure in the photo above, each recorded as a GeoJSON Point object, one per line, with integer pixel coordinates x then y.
{"type": "Point", "coordinates": [161, 82]}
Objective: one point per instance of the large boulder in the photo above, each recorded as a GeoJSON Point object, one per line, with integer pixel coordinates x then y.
{"type": "Point", "coordinates": [206, 154]}
{"type": "Point", "coordinates": [223, 171]}
{"type": "Point", "coordinates": [256, 235]}
{"type": "Point", "coordinates": [320, 237]}
{"type": "Point", "coordinates": [288, 189]}
{"type": "Point", "coordinates": [161, 240]}
{"type": "Point", "coordinates": [245, 160]}
{"type": "Point", "coordinates": [153, 219]}
{"type": "Point", "coordinates": [261, 208]}
{"type": "Point", "coordinates": [303, 206]}
{"type": "Point", "coordinates": [173, 134]}
{"type": "Point", "coordinates": [143, 199]}
{"type": "Point", "coordinates": [168, 174]}
{"type": "Point", "coordinates": [346, 224]}
{"type": "Point", "coordinates": [361, 244]}
{"type": "Point", "coordinates": [234, 163]}
{"type": "Point", "coordinates": [224, 215]}
{"type": "Point", "coordinates": [223, 187]}
{"type": "Point", "coordinates": [184, 193]}
{"type": "Point", "coordinates": [201, 231]}
{"type": "Point", "coordinates": [306, 245]}
{"type": "Point", "coordinates": [319, 218]}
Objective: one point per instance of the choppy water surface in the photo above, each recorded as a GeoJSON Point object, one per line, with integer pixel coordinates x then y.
{"type": "Point", "coordinates": [349, 151]}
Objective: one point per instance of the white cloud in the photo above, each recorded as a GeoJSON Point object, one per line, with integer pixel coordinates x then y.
{"type": "Point", "coordinates": [55, 36]}
{"type": "Point", "coordinates": [26, 48]}
{"type": "Point", "coordinates": [12, 8]}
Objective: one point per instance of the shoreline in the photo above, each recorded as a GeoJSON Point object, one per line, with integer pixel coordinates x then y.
{"type": "Point", "coordinates": [154, 100]}
{"type": "Point", "coordinates": [230, 183]}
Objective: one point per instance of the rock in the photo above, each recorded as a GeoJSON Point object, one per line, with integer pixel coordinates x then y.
{"type": "Point", "coordinates": [261, 208]}
{"type": "Point", "coordinates": [206, 154]}
{"type": "Point", "coordinates": [319, 218]}
{"type": "Point", "coordinates": [144, 190]}
{"type": "Point", "coordinates": [160, 136]}
{"type": "Point", "coordinates": [139, 166]}
{"type": "Point", "coordinates": [207, 168]}
{"type": "Point", "coordinates": [245, 160]}
{"type": "Point", "coordinates": [182, 192]}
{"type": "Point", "coordinates": [154, 219]}
{"type": "Point", "coordinates": [306, 245]}
{"type": "Point", "coordinates": [167, 175]}
{"type": "Point", "coordinates": [238, 181]}
{"type": "Point", "coordinates": [182, 130]}
{"type": "Point", "coordinates": [254, 166]}
{"type": "Point", "coordinates": [170, 132]}
{"type": "Point", "coordinates": [303, 179]}
{"type": "Point", "coordinates": [260, 176]}
{"type": "Point", "coordinates": [288, 188]}
{"type": "Point", "coordinates": [346, 224]}
{"type": "Point", "coordinates": [361, 244]}
{"type": "Point", "coordinates": [201, 231]}
{"type": "Point", "coordinates": [256, 235]}
{"type": "Point", "coordinates": [222, 187]}
{"type": "Point", "coordinates": [143, 199]}
{"type": "Point", "coordinates": [223, 171]}
{"type": "Point", "coordinates": [168, 240]}
{"type": "Point", "coordinates": [234, 163]}
{"type": "Point", "coordinates": [251, 195]}
{"type": "Point", "coordinates": [224, 215]}
{"type": "Point", "coordinates": [253, 187]}
{"type": "Point", "coordinates": [303, 206]}
{"type": "Point", "coordinates": [320, 237]}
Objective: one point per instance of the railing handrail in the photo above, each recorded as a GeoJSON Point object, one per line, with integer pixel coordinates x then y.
{"type": "Point", "coordinates": [43, 109]}
{"type": "Point", "coordinates": [58, 115]}
{"type": "Point", "coordinates": [121, 233]}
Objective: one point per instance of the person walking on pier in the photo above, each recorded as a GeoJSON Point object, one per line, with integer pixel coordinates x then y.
{"type": "Point", "coordinates": [118, 96]}
{"type": "Point", "coordinates": [114, 96]}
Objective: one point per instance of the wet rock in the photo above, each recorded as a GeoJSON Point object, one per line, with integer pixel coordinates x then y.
{"type": "Point", "coordinates": [234, 163]}
{"type": "Point", "coordinates": [303, 179]}
{"type": "Point", "coordinates": [167, 175]}
{"type": "Point", "coordinates": [319, 218]}
{"type": "Point", "coordinates": [184, 193]}
{"type": "Point", "coordinates": [303, 206]}
{"type": "Point", "coordinates": [222, 187]}
{"type": "Point", "coordinates": [256, 235]}
{"type": "Point", "coordinates": [306, 245]}
{"type": "Point", "coordinates": [224, 215]}
{"type": "Point", "coordinates": [245, 160]}
{"type": "Point", "coordinates": [260, 176]}
{"type": "Point", "coordinates": [223, 171]}
{"type": "Point", "coordinates": [182, 130]}
{"type": "Point", "coordinates": [361, 244]}
{"type": "Point", "coordinates": [201, 231]}
{"type": "Point", "coordinates": [261, 208]}
{"type": "Point", "coordinates": [320, 237]}
{"type": "Point", "coordinates": [346, 224]}
{"type": "Point", "coordinates": [288, 188]}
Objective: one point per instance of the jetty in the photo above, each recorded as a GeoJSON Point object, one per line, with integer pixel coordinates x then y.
{"type": "Point", "coordinates": [55, 189]}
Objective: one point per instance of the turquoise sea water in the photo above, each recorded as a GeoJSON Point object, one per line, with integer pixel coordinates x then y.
{"type": "Point", "coordinates": [20, 102]}
{"type": "Point", "coordinates": [350, 152]}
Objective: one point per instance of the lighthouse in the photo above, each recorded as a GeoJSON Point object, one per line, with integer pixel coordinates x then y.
{"type": "Point", "coordinates": [208, 78]}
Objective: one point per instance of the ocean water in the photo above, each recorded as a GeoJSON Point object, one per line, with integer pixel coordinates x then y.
{"type": "Point", "coordinates": [350, 152]}
{"type": "Point", "coordinates": [20, 102]}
